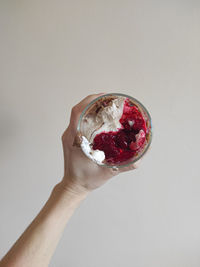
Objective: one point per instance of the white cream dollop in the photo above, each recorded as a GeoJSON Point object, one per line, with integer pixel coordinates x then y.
{"type": "Point", "coordinates": [96, 155]}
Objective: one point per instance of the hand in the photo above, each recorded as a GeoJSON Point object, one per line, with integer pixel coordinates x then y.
{"type": "Point", "coordinates": [80, 172]}
{"type": "Point", "coordinates": [37, 244]}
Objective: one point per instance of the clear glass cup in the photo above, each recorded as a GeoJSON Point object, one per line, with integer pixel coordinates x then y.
{"type": "Point", "coordinates": [145, 114]}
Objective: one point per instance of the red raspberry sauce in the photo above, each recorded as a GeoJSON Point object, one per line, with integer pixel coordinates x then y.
{"type": "Point", "coordinates": [122, 145]}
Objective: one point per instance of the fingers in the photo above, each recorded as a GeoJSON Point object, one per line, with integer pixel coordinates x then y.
{"type": "Point", "coordinates": [131, 166]}
{"type": "Point", "coordinates": [135, 165]}
{"type": "Point", "coordinates": [77, 110]}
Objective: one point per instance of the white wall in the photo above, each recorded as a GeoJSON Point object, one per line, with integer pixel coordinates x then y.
{"type": "Point", "coordinates": [52, 54]}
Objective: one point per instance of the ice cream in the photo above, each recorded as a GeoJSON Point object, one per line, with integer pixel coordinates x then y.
{"type": "Point", "coordinates": [113, 130]}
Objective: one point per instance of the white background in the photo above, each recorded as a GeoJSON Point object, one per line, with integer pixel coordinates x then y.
{"type": "Point", "coordinates": [54, 53]}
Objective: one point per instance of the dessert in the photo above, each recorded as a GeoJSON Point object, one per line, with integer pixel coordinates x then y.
{"type": "Point", "coordinates": [114, 130]}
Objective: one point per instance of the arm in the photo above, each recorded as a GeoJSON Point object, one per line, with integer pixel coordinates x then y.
{"type": "Point", "coordinates": [37, 244]}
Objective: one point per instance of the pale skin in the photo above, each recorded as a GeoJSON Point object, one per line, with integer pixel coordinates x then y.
{"type": "Point", "coordinates": [37, 244]}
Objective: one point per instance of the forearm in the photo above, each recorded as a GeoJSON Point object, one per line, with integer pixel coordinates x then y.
{"type": "Point", "coordinates": [37, 244]}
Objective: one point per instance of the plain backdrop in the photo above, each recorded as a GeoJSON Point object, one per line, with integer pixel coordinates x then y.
{"type": "Point", "coordinates": [54, 53]}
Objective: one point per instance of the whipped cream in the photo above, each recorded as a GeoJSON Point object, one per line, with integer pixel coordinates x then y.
{"type": "Point", "coordinates": [96, 155]}
{"type": "Point", "coordinates": [106, 120]}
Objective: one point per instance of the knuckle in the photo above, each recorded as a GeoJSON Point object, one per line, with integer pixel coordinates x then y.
{"type": "Point", "coordinates": [90, 96]}
{"type": "Point", "coordinates": [135, 166]}
{"type": "Point", "coordinates": [74, 110]}
{"type": "Point", "coordinates": [63, 137]}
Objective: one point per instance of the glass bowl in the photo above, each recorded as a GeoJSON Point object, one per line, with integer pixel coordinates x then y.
{"type": "Point", "coordinates": [146, 116]}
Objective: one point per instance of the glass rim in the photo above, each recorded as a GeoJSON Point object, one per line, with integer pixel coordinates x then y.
{"type": "Point", "coordinates": [149, 119]}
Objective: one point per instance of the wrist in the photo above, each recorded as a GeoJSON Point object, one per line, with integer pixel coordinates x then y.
{"type": "Point", "coordinates": [70, 187]}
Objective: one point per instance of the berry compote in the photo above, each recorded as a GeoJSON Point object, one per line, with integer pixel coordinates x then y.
{"type": "Point", "coordinates": [123, 144]}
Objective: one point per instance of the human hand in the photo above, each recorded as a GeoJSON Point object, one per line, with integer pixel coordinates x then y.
{"type": "Point", "coordinates": [80, 172]}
